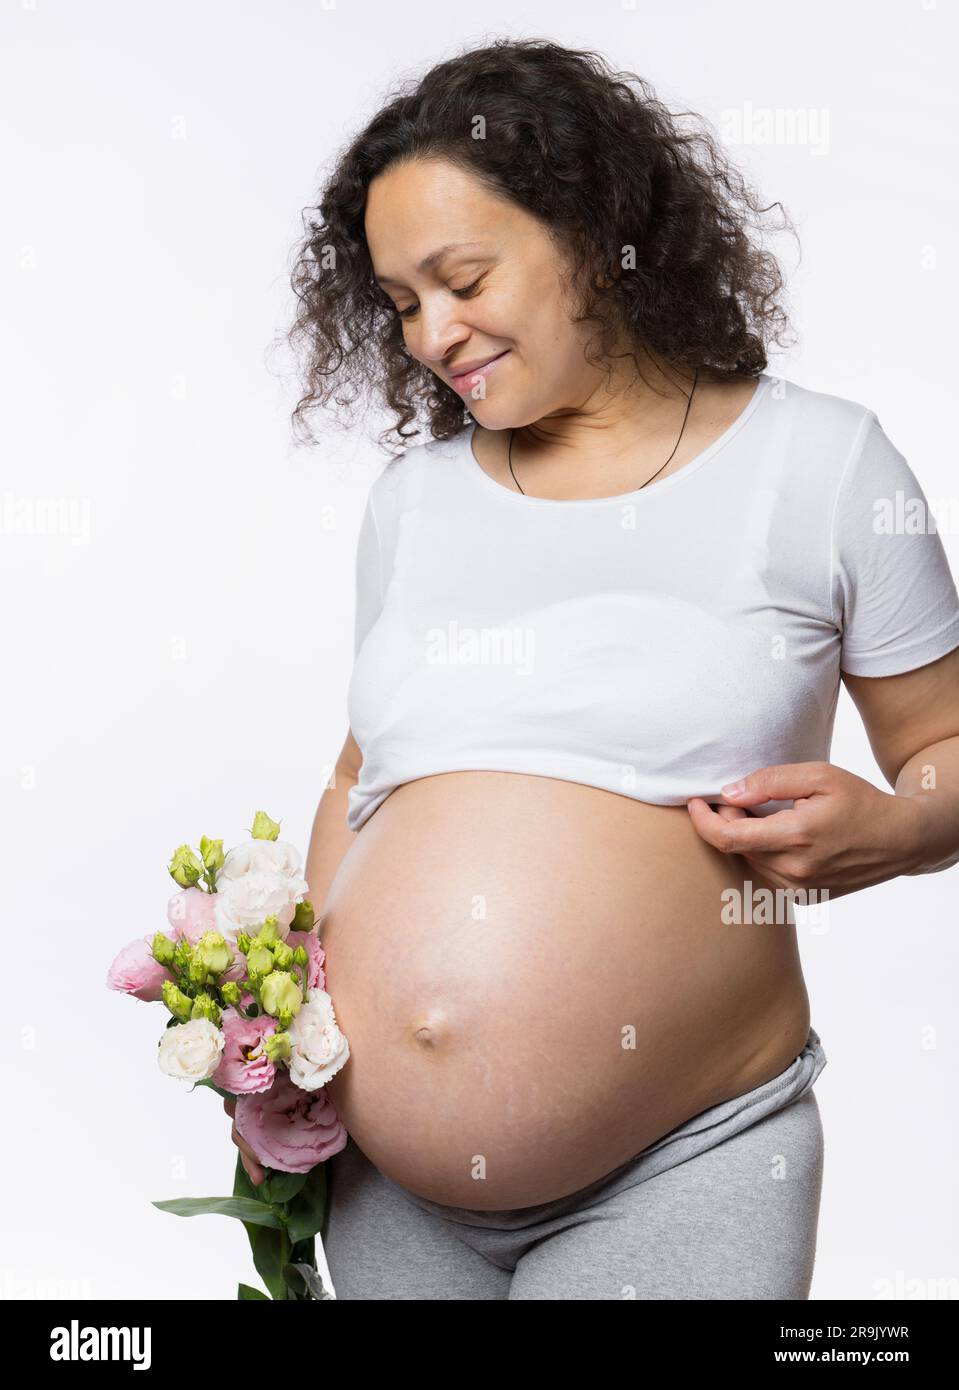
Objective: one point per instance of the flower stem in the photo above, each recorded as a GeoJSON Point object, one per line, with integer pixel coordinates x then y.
{"type": "Point", "coordinates": [284, 1254]}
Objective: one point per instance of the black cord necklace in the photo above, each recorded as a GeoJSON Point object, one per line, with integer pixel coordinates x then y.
{"type": "Point", "coordinates": [509, 456]}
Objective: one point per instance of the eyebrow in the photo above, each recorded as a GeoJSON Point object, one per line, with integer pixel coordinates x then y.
{"type": "Point", "coordinates": [428, 262]}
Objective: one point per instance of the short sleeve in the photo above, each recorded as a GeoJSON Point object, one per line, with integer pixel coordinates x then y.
{"type": "Point", "coordinates": [894, 595]}
{"type": "Point", "coordinates": [369, 595]}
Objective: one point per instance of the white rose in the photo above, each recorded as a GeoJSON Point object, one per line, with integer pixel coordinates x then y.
{"type": "Point", "coordinates": [191, 1051]}
{"type": "Point", "coordinates": [318, 1048]}
{"type": "Point", "coordinates": [259, 879]}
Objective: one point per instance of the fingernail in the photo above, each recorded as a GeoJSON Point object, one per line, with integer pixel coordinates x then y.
{"type": "Point", "coordinates": [733, 789]}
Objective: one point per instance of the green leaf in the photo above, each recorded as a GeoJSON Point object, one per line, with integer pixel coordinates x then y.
{"type": "Point", "coordinates": [308, 1208]}
{"type": "Point", "coordinates": [296, 1287]}
{"type": "Point", "coordinates": [303, 1252]}
{"type": "Point", "coordinates": [265, 1245]}
{"type": "Point", "coordinates": [254, 1213]}
{"type": "Point", "coordinates": [302, 1277]}
{"type": "Point", "coordinates": [285, 1186]}
{"type": "Point", "coordinates": [242, 1182]}
{"type": "Point", "coordinates": [227, 1095]}
{"type": "Point", "coordinates": [267, 1248]}
{"type": "Point", "coordinates": [246, 1291]}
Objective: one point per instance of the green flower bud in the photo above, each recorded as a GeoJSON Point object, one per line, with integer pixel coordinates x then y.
{"type": "Point", "coordinates": [269, 931]}
{"type": "Point", "coordinates": [164, 949]}
{"type": "Point", "coordinates": [183, 954]}
{"type": "Point", "coordinates": [303, 918]}
{"type": "Point", "coordinates": [282, 956]}
{"type": "Point", "coordinates": [264, 828]}
{"type": "Point", "coordinates": [212, 853]}
{"type": "Point", "coordinates": [277, 1046]}
{"type": "Point", "coordinates": [300, 956]}
{"type": "Point", "coordinates": [177, 1002]}
{"type": "Point", "coordinates": [213, 951]}
{"type": "Point", "coordinates": [243, 941]}
{"type": "Point", "coordinates": [259, 961]}
{"type": "Point", "coordinates": [231, 993]}
{"type": "Point", "coordinates": [196, 971]}
{"type": "Point", "coordinates": [280, 996]}
{"type": "Point", "coordinates": [185, 868]}
{"type": "Point", "coordinates": [206, 1007]}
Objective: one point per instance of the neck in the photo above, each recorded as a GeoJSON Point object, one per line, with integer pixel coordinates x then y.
{"type": "Point", "coordinates": [612, 425]}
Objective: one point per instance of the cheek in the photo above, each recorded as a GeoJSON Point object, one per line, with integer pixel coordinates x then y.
{"type": "Point", "coordinates": [528, 306]}
{"type": "Point", "coordinates": [548, 326]}
{"type": "Point", "coordinates": [556, 348]}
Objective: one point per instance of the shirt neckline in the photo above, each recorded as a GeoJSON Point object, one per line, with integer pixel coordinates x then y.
{"type": "Point", "coordinates": [473, 465]}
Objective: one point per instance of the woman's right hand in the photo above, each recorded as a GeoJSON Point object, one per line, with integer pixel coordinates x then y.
{"type": "Point", "coordinates": [251, 1163]}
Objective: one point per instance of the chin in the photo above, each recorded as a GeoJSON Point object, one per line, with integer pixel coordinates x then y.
{"type": "Point", "coordinates": [495, 415]}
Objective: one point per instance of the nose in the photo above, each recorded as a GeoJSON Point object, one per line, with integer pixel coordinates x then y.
{"type": "Point", "coordinates": [441, 331]}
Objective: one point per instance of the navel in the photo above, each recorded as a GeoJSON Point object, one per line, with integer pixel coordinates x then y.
{"type": "Point", "coordinates": [428, 1029]}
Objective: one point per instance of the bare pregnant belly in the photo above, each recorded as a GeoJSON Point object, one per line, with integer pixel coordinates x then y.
{"type": "Point", "coordinates": [536, 982]}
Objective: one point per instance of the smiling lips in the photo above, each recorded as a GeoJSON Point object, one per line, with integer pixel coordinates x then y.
{"type": "Point", "coordinates": [464, 379]}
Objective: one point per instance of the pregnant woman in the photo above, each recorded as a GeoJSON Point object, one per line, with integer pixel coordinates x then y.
{"type": "Point", "coordinates": [626, 569]}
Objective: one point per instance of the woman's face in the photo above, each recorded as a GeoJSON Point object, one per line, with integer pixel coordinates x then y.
{"type": "Point", "coordinates": [493, 286]}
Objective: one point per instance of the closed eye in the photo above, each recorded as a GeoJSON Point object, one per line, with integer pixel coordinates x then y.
{"type": "Point", "coordinates": [464, 293]}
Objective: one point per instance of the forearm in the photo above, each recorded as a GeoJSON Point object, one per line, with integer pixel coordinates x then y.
{"type": "Point", "coordinates": [931, 779]}
{"type": "Point", "coordinates": [329, 841]}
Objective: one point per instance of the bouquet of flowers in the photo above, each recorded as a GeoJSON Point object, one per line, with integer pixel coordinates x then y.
{"type": "Point", "coordinates": [241, 975]}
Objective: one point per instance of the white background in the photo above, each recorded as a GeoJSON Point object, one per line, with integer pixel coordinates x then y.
{"type": "Point", "coordinates": [177, 650]}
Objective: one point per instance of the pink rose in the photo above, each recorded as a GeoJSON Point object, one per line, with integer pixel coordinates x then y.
{"type": "Point", "coordinates": [290, 1129]}
{"type": "Point", "coordinates": [244, 1067]}
{"type": "Point", "coordinates": [191, 912]}
{"type": "Point", "coordinates": [136, 972]}
{"type": "Point", "coordinates": [311, 943]}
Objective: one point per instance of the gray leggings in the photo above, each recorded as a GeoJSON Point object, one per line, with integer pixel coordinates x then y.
{"type": "Point", "coordinates": [725, 1206]}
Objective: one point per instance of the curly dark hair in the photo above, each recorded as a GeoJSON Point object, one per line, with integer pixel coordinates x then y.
{"type": "Point", "coordinates": [605, 167]}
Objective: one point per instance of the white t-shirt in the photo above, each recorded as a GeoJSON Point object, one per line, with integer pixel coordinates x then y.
{"type": "Point", "coordinates": [658, 643]}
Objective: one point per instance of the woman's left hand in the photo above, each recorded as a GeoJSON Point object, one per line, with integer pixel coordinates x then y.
{"type": "Point", "coordinates": [841, 834]}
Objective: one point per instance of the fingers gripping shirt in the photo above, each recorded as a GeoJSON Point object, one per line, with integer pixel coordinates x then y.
{"type": "Point", "coordinates": [659, 643]}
